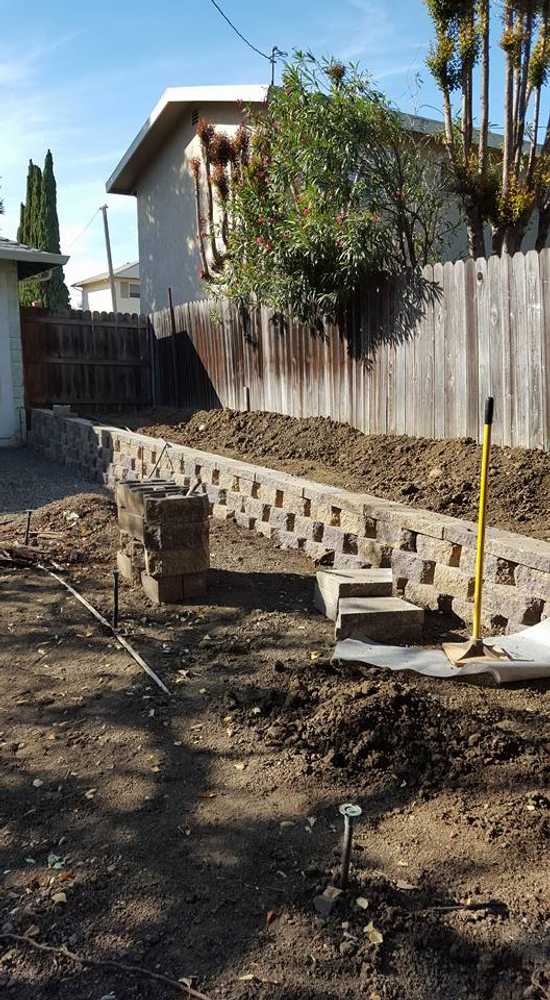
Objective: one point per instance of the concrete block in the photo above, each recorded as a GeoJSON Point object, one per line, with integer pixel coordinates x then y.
{"type": "Point", "coordinates": [333, 584]}
{"type": "Point", "coordinates": [357, 523]}
{"type": "Point", "coordinates": [126, 569]}
{"type": "Point", "coordinates": [344, 561]}
{"type": "Point", "coordinates": [318, 551]}
{"type": "Point", "coordinates": [424, 595]}
{"type": "Point", "coordinates": [533, 582]}
{"type": "Point", "coordinates": [438, 550]}
{"type": "Point", "coordinates": [222, 513]}
{"type": "Point", "coordinates": [176, 508]}
{"type": "Point", "coordinates": [168, 590]}
{"type": "Point", "coordinates": [194, 585]}
{"type": "Point", "coordinates": [374, 553]}
{"type": "Point", "coordinates": [410, 566]}
{"type": "Point", "coordinates": [495, 569]}
{"type": "Point", "coordinates": [265, 529]}
{"type": "Point", "coordinates": [287, 539]}
{"type": "Point", "coordinates": [244, 520]}
{"type": "Point", "coordinates": [305, 527]}
{"type": "Point", "coordinates": [176, 561]}
{"type": "Point", "coordinates": [294, 503]}
{"type": "Point", "coordinates": [379, 619]}
{"type": "Point", "coordinates": [492, 621]}
{"type": "Point", "coordinates": [257, 509]}
{"type": "Point", "coordinates": [512, 603]}
{"type": "Point", "coordinates": [334, 538]}
{"type": "Point", "coordinates": [452, 581]}
{"type": "Point", "coordinates": [235, 502]}
{"type": "Point", "coordinates": [280, 519]}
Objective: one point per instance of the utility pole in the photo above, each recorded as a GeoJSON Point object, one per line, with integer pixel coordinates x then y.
{"type": "Point", "coordinates": [109, 257]}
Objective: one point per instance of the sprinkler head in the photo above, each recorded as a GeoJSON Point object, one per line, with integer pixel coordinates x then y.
{"type": "Point", "coordinates": [349, 810]}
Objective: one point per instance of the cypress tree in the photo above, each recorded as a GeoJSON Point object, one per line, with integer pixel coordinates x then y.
{"type": "Point", "coordinates": [21, 226]}
{"type": "Point", "coordinates": [31, 290]}
{"type": "Point", "coordinates": [55, 294]}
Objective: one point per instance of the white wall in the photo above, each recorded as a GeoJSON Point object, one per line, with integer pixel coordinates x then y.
{"type": "Point", "coordinates": [11, 360]}
{"type": "Point", "coordinates": [98, 299]}
{"type": "Point", "coordinates": [168, 252]}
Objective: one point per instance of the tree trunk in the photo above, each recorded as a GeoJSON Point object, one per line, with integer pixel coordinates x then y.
{"type": "Point", "coordinates": [484, 92]}
{"type": "Point", "coordinates": [508, 110]}
{"type": "Point", "coordinates": [543, 231]}
{"type": "Point", "coordinates": [476, 234]}
{"type": "Point", "coordinates": [513, 238]}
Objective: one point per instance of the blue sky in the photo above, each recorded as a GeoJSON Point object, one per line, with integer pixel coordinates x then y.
{"type": "Point", "coordinates": [82, 78]}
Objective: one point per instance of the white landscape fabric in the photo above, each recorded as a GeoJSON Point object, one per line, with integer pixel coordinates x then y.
{"type": "Point", "coordinates": [529, 649]}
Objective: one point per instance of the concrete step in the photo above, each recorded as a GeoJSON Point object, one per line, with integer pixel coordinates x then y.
{"type": "Point", "coordinates": [332, 585]}
{"type": "Point", "coordinates": [379, 619]}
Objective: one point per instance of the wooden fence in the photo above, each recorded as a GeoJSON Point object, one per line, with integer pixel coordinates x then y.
{"type": "Point", "coordinates": [416, 361]}
{"type": "Point", "coordinates": [94, 361]}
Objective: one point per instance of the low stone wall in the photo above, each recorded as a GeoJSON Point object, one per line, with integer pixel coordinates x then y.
{"type": "Point", "coordinates": [432, 556]}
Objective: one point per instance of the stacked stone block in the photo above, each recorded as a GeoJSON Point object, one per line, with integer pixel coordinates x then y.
{"type": "Point", "coordinates": [432, 556]}
{"type": "Point", "coordinates": [164, 540]}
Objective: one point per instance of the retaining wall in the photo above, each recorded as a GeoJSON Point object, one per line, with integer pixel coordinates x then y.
{"type": "Point", "coordinates": [432, 556]}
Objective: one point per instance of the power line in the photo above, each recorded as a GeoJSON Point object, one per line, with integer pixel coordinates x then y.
{"type": "Point", "coordinates": [274, 51]}
{"type": "Point", "coordinates": [239, 33]}
{"type": "Point", "coordinates": [81, 233]}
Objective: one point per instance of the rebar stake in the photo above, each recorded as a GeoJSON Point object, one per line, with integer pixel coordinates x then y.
{"type": "Point", "coordinates": [350, 812]}
{"type": "Point", "coordinates": [28, 528]}
{"type": "Point", "coordinates": [115, 598]}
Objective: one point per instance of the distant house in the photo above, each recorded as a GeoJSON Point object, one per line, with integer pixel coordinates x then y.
{"type": "Point", "coordinates": [96, 291]}
{"type": "Point", "coordinates": [17, 261]}
{"type": "Point", "coordinates": [155, 169]}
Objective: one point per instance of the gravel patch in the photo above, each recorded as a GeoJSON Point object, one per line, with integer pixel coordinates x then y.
{"type": "Point", "coordinates": [28, 481]}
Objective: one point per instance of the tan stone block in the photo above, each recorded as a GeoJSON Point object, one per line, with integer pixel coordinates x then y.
{"type": "Point", "coordinates": [410, 566]}
{"type": "Point", "coordinates": [126, 569]}
{"type": "Point", "coordinates": [533, 582]}
{"type": "Point", "coordinates": [438, 550]}
{"type": "Point", "coordinates": [176, 561]}
{"type": "Point", "coordinates": [450, 580]}
{"type": "Point", "coordinates": [168, 590]}
{"type": "Point", "coordinates": [222, 513]}
{"type": "Point", "coordinates": [374, 553]}
{"type": "Point", "coordinates": [423, 595]}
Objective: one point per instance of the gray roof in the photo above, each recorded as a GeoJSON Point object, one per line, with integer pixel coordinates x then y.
{"type": "Point", "coordinates": [130, 270]}
{"type": "Point", "coordinates": [29, 260]}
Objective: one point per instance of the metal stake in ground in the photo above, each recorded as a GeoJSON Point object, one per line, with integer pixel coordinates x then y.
{"type": "Point", "coordinates": [115, 598]}
{"type": "Point", "coordinates": [28, 527]}
{"type": "Point", "coordinates": [350, 813]}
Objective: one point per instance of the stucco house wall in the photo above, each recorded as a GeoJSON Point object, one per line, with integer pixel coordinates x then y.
{"type": "Point", "coordinates": [12, 422]}
{"type": "Point", "coordinates": [97, 298]}
{"type": "Point", "coordinates": [168, 251]}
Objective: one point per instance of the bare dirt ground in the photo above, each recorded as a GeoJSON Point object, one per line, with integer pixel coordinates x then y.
{"type": "Point", "coordinates": [437, 475]}
{"type": "Point", "coordinates": [190, 835]}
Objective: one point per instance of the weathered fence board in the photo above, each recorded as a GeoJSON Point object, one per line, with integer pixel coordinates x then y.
{"type": "Point", "coordinates": [90, 360]}
{"type": "Point", "coordinates": [399, 364]}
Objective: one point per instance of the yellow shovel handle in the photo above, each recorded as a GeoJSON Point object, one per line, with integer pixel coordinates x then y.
{"type": "Point", "coordinates": [486, 447]}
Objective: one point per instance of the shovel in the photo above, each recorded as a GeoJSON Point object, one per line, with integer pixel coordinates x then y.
{"type": "Point", "coordinates": [474, 648]}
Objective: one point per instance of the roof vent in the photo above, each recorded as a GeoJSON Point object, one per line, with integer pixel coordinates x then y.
{"type": "Point", "coordinates": [195, 115]}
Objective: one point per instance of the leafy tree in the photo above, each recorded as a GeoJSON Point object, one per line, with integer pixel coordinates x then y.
{"type": "Point", "coordinates": [55, 295]}
{"type": "Point", "coordinates": [501, 187]}
{"type": "Point", "coordinates": [322, 188]}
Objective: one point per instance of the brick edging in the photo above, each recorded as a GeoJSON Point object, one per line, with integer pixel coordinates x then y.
{"type": "Point", "coordinates": [432, 555]}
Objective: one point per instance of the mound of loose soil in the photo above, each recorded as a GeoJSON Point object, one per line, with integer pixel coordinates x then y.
{"type": "Point", "coordinates": [77, 529]}
{"type": "Point", "coordinates": [437, 475]}
{"type": "Point", "coordinates": [399, 731]}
